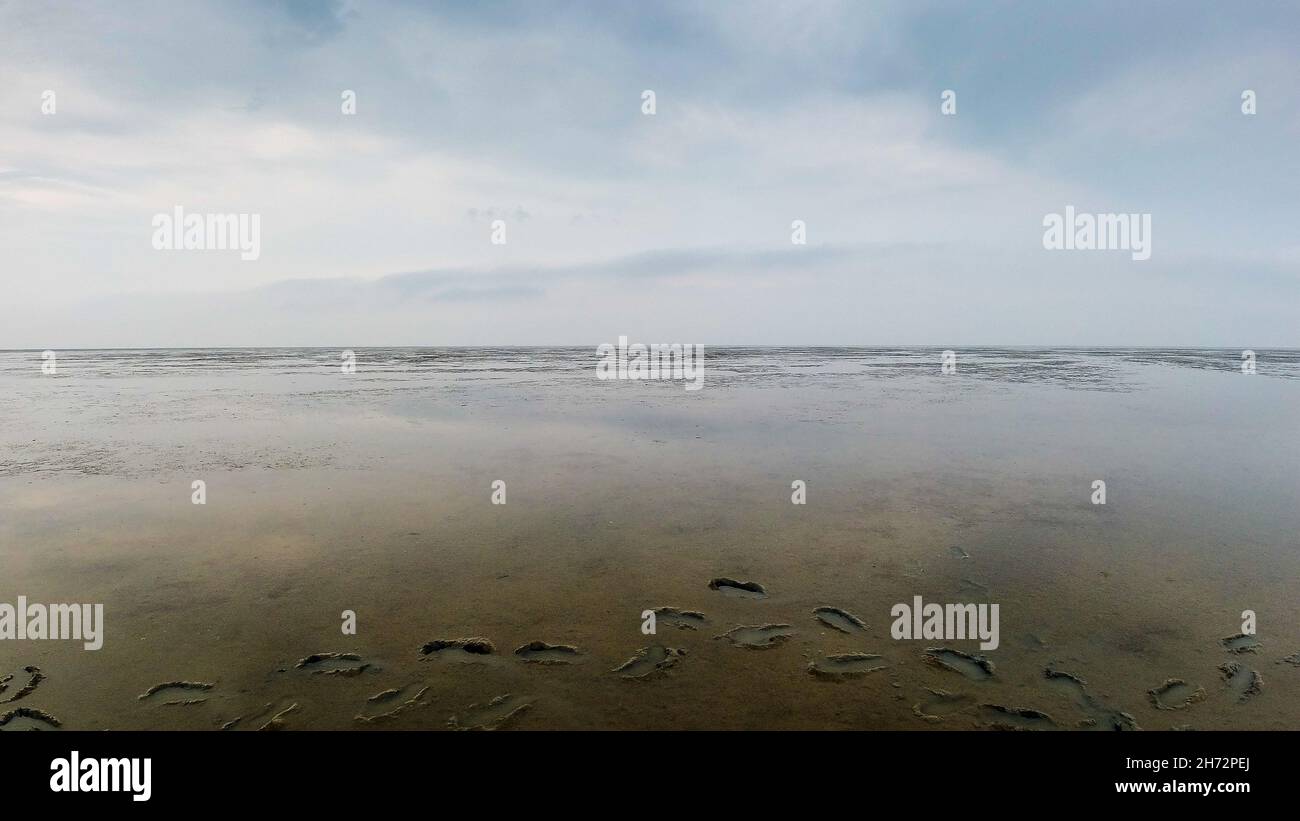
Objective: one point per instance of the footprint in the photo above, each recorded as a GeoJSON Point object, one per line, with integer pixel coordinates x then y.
{"type": "Point", "coordinates": [973, 587]}
{"type": "Point", "coordinates": [1242, 683]}
{"type": "Point", "coordinates": [1175, 694]}
{"type": "Point", "coordinates": [334, 664]}
{"type": "Point", "coordinates": [756, 637]}
{"type": "Point", "coordinates": [255, 721]}
{"type": "Point", "coordinates": [177, 693]}
{"type": "Point", "coordinates": [1069, 682]}
{"type": "Point", "coordinates": [463, 650]}
{"type": "Point", "coordinates": [277, 721]}
{"type": "Point", "coordinates": [1015, 718]}
{"type": "Point", "coordinates": [744, 590]}
{"type": "Point", "coordinates": [389, 696]}
{"type": "Point", "coordinates": [494, 715]}
{"type": "Point", "coordinates": [34, 678]}
{"type": "Point", "coordinates": [959, 552]}
{"type": "Point", "coordinates": [539, 652]}
{"type": "Point", "coordinates": [1241, 643]}
{"type": "Point", "coordinates": [1293, 660]}
{"type": "Point", "coordinates": [840, 620]}
{"type": "Point", "coordinates": [1097, 715]}
{"type": "Point", "coordinates": [681, 619]}
{"type": "Point", "coordinates": [976, 668]}
{"type": "Point", "coordinates": [939, 704]}
{"type": "Point", "coordinates": [647, 660]}
{"type": "Point", "coordinates": [28, 718]}
{"type": "Point", "coordinates": [846, 666]}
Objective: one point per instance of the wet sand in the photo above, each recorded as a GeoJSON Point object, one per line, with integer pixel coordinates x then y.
{"type": "Point", "coordinates": [372, 492]}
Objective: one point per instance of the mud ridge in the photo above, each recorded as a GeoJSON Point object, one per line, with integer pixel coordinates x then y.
{"type": "Point", "coordinates": [749, 590]}
{"type": "Point", "coordinates": [681, 619]}
{"type": "Point", "coordinates": [175, 685]}
{"type": "Point", "coordinates": [1016, 718]}
{"type": "Point", "coordinates": [277, 720]}
{"type": "Point", "coordinates": [474, 646]}
{"type": "Point", "coordinates": [840, 620]}
{"type": "Point", "coordinates": [846, 666]}
{"type": "Point", "coordinates": [1175, 694]}
{"type": "Point", "coordinates": [415, 701]}
{"type": "Point", "coordinates": [648, 660]}
{"type": "Point", "coordinates": [974, 667]}
{"type": "Point", "coordinates": [758, 637]}
{"type": "Point", "coordinates": [1097, 715]}
{"type": "Point", "coordinates": [539, 652]}
{"type": "Point", "coordinates": [1243, 683]}
{"type": "Point", "coordinates": [494, 715]}
{"type": "Point", "coordinates": [36, 677]}
{"type": "Point", "coordinates": [34, 716]}
{"type": "Point", "coordinates": [265, 710]}
{"type": "Point", "coordinates": [346, 665]}
{"type": "Point", "coordinates": [940, 704]}
{"type": "Point", "coordinates": [1241, 643]}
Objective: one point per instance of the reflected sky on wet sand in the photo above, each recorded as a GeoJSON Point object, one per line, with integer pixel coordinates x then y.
{"type": "Point", "coordinates": [371, 492]}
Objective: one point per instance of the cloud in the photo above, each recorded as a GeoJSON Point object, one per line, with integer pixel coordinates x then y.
{"type": "Point", "coordinates": [825, 112]}
{"type": "Point", "coordinates": [902, 294]}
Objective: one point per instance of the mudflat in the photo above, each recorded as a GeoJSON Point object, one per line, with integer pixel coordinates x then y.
{"type": "Point", "coordinates": [372, 492]}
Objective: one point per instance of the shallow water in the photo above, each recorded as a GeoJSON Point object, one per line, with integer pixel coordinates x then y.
{"type": "Point", "coordinates": [371, 492]}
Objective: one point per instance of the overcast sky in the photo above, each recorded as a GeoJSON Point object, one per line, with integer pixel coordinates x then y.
{"type": "Point", "coordinates": [376, 228]}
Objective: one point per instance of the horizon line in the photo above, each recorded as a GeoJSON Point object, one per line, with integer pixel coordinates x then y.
{"type": "Point", "coordinates": [570, 346]}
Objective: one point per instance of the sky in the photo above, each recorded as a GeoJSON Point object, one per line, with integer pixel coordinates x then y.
{"type": "Point", "coordinates": [376, 228]}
